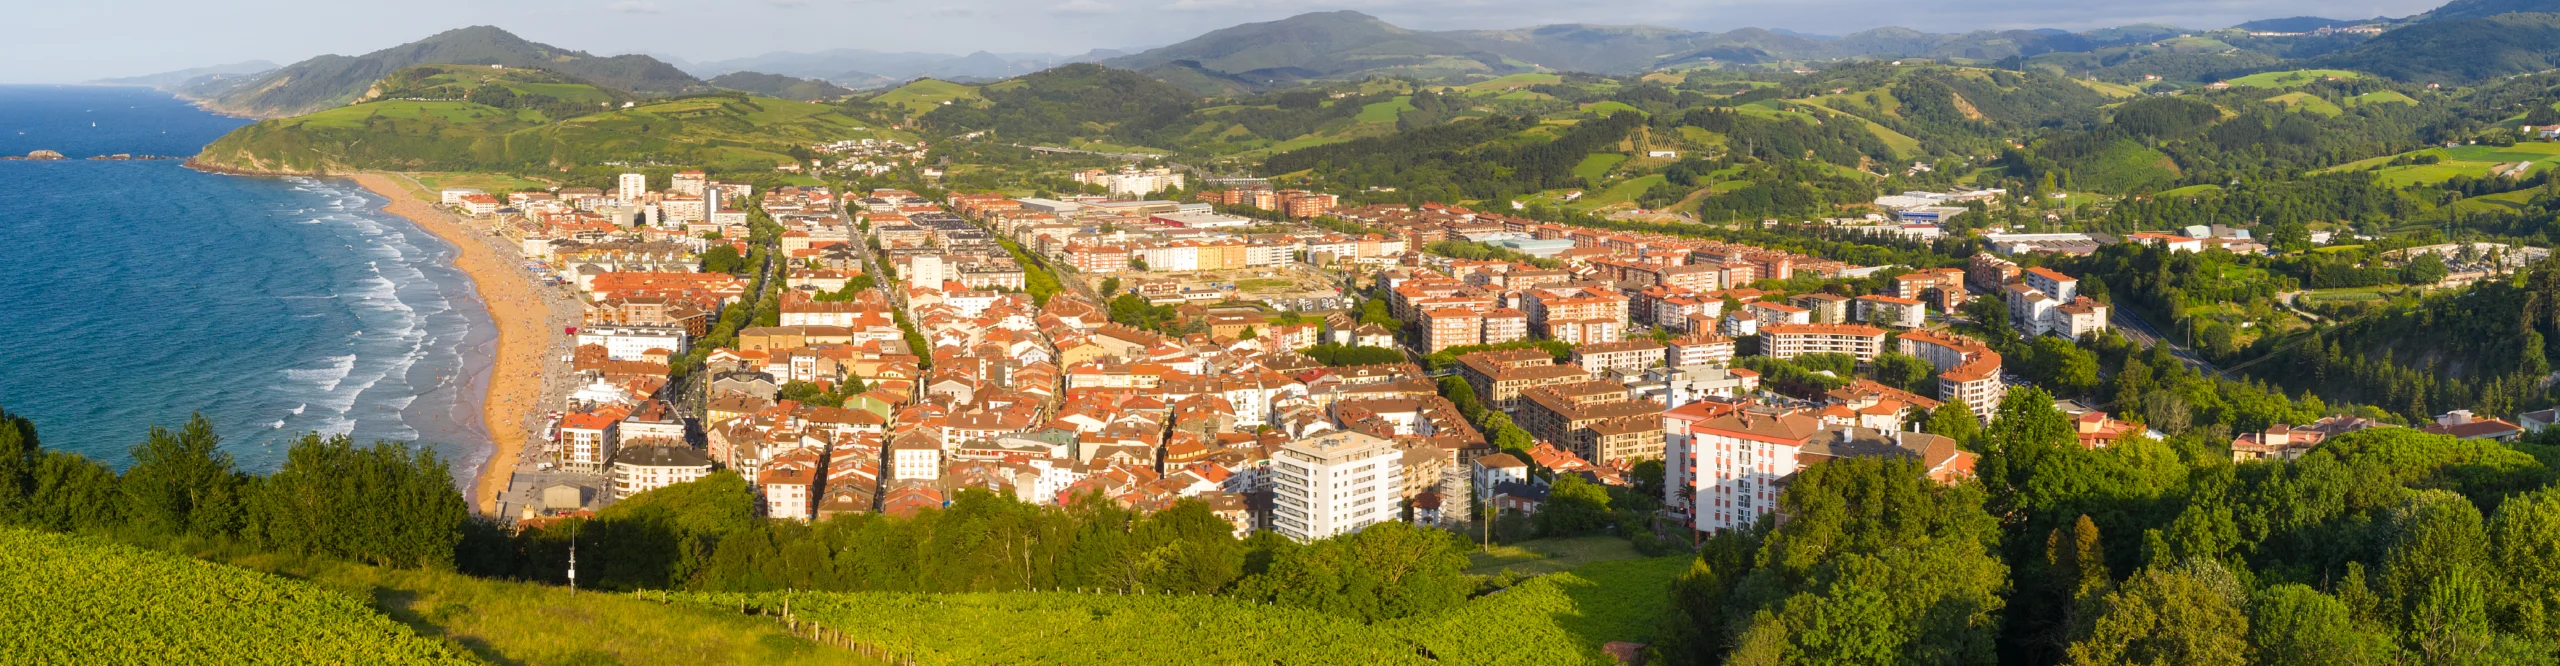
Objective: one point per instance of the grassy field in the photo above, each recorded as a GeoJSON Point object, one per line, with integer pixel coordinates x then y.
{"type": "Point", "coordinates": [1623, 192]}
{"type": "Point", "coordinates": [2303, 101]}
{"type": "Point", "coordinates": [486, 182]}
{"type": "Point", "coordinates": [1597, 165]}
{"type": "Point", "coordinates": [522, 623]}
{"type": "Point", "coordinates": [2189, 191]}
{"type": "Point", "coordinates": [1543, 556]}
{"type": "Point", "coordinates": [2474, 161]}
{"type": "Point", "coordinates": [2381, 97]}
{"type": "Point", "coordinates": [1387, 111]}
{"type": "Point", "coordinates": [2111, 89]}
{"type": "Point", "coordinates": [1901, 144]}
{"type": "Point", "coordinates": [1590, 606]}
{"type": "Point", "coordinates": [1560, 618]}
{"type": "Point", "coordinates": [1700, 137]}
{"type": "Point", "coordinates": [925, 94]}
{"type": "Point", "coordinates": [2291, 78]}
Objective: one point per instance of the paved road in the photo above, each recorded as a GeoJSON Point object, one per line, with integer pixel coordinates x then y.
{"type": "Point", "coordinates": [2143, 334]}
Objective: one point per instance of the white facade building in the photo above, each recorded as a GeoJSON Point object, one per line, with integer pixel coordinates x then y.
{"type": "Point", "coordinates": [641, 469]}
{"type": "Point", "coordinates": [632, 187]}
{"type": "Point", "coordinates": [632, 343]}
{"type": "Point", "coordinates": [1336, 483]}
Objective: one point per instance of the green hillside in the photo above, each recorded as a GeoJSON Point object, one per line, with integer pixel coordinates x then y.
{"type": "Point", "coordinates": [2292, 78]}
{"type": "Point", "coordinates": [1555, 619]}
{"type": "Point", "coordinates": [333, 80]}
{"type": "Point", "coordinates": [924, 95]}
{"type": "Point", "coordinates": [733, 131]}
{"type": "Point", "coordinates": [82, 600]}
{"type": "Point", "coordinates": [2306, 102]}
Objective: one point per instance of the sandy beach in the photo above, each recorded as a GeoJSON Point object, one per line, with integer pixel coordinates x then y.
{"type": "Point", "coordinates": [523, 320]}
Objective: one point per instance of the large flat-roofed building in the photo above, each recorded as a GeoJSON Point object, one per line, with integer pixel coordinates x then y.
{"type": "Point", "coordinates": [632, 343]}
{"type": "Point", "coordinates": [1499, 377]}
{"type": "Point", "coordinates": [1335, 483]}
{"type": "Point", "coordinates": [1623, 358]}
{"type": "Point", "coordinates": [1595, 420]}
{"type": "Point", "coordinates": [1793, 340]}
{"type": "Point", "coordinates": [642, 468]}
{"type": "Point", "coordinates": [1701, 348]}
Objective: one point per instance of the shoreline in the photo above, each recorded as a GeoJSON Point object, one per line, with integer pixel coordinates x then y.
{"type": "Point", "coordinates": [517, 308]}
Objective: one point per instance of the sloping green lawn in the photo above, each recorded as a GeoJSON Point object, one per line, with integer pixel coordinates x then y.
{"type": "Point", "coordinates": [1597, 165]}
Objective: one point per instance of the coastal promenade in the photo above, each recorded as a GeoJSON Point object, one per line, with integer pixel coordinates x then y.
{"type": "Point", "coordinates": [526, 376]}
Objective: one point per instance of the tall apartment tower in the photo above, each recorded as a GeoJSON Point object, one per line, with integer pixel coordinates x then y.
{"type": "Point", "coordinates": [634, 186]}
{"type": "Point", "coordinates": [1336, 483]}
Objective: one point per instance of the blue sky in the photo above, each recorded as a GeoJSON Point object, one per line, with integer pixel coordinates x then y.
{"type": "Point", "coordinates": [77, 40]}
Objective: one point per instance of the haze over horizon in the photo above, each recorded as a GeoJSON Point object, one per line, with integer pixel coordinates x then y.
{"type": "Point", "coordinates": [61, 42]}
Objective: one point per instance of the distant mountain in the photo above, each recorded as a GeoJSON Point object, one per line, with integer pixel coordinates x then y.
{"type": "Point", "coordinates": [776, 85]}
{"type": "Point", "coordinates": [2300, 24]}
{"type": "Point", "coordinates": [1347, 44]}
{"type": "Point", "coordinates": [864, 69]}
{"type": "Point", "coordinates": [167, 80]}
{"type": "Point", "coordinates": [2471, 9]}
{"type": "Point", "coordinates": [1586, 48]}
{"type": "Point", "coordinates": [333, 80]}
{"type": "Point", "coordinates": [2458, 50]}
{"type": "Point", "coordinates": [1325, 44]}
{"type": "Point", "coordinates": [2136, 33]}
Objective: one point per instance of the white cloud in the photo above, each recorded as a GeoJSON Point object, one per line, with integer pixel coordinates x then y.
{"type": "Point", "coordinates": [1083, 7]}
{"type": "Point", "coordinates": [788, 3]}
{"type": "Point", "coordinates": [634, 7]}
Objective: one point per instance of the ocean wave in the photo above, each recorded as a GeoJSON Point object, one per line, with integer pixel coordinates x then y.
{"type": "Point", "coordinates": [325, 378]}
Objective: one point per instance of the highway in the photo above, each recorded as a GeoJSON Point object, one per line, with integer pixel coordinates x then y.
{"type": "Point", "coordinates": [2143, 334]}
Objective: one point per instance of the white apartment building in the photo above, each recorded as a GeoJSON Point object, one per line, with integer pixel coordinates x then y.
{"type": "Point", "coordinates": [641, 469]}
{"type": "Point", "coordinates": [632, 343]}
{"type": "Point", "coordinates": [1793, 340]}
{"type": "Point", "coordinates": [914, 458]}
{"type": "Point", "coordinates": [1722, 473]}
{"type": "Point", "coordinates": [2045, 302]}
{"type": "Point", "coordinates": [1336, 483]}
{"type": "Point", "coordinates": [632, 187]}
{"type": "Point", "coordinates": [2052, 283]}
{"type": "Point", "coordinates": [1725, 471]}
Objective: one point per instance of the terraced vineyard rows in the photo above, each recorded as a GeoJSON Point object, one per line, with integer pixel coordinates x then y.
{"type": "Point", "coordinates": [70, 599]}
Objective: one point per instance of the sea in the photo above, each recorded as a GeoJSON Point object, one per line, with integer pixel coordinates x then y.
{"type": "Point", "coordinates": [135, 294]}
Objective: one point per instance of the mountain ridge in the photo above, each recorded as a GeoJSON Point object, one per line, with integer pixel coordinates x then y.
{"type": "Point", "coordinates": [171, 79]}
{"type": "Point", "coordinates": [327, 81]}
